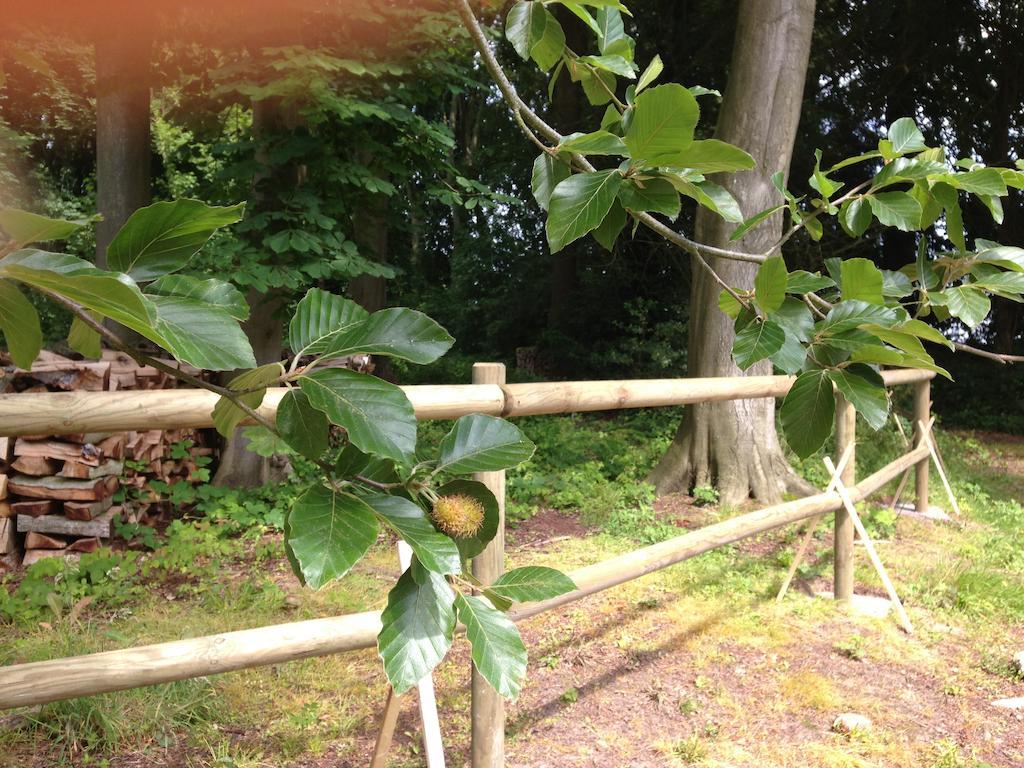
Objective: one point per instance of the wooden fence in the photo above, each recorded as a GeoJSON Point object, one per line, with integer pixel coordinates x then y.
{"type": "Point", "coordinates": [60, 413]}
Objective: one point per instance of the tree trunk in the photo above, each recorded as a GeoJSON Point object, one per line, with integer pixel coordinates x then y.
{"type": "Point", "coordinates": [734, 445]}
{"type": "Point", "coordinates": [122, 131]}
{"type": "Point", "coordinates": [240, 467]}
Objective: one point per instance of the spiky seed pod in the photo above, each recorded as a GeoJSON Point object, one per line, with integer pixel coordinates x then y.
{"type": "Point", "coordinates": [458, 515]}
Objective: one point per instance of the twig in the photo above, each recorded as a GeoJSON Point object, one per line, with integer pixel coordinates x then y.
{"type": "Point", "coordinates": [998, 357]}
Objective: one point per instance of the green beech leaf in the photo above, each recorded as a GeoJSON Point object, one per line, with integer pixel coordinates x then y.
{"type": "Point", "coordinates": [549, 48]}
{"type": "Point", "coordinates": [611, 32]}
{"type": "Point", "coordinates": [855, 216]}
{"type": "Point", "coordinates": [790, 356]}
{"type": "Point", "coordinates": [532, 583]}
{"type": "Point", "coordinates": [854, 160]}
{"type": "Point", "coordinates": [948, 198]}
{"type": "Point", "coordinates": [222, 295]}
{"type": "Point", "coordinates": [820, 181]}
{"type": "Point", "coordinates": [162, 237]}
{"type": "Point", "coordinates": [922, 330]}
{"type": "Point", "coordinates": [397, 332]}
{"type": "Point", "coordinates": [598, 85]}
{"type": "Point", "coordinates": [596, 143]}
{"type": "Point", "coordinates": [377, 416]}
{"type": "Point", "coordinates": [861, 281]}
{"type": "Point", "coordinates": [201, 335]}
{"type": "Point", "coordinates": [433, 549]}
{"type": "Point", "coordinates": [650, 74]}
{"type": "Point", "coordinates": [584, 15]}
{"type": "Point", "coordinates": [896, 209]}
{"type": "Point", "coordinates": [1005, 256]}
{"type": "Point", "coordinates": [729, 305]}
{"type": "Point", "coordinates": [662, 125]}
{"type": "Point", "coordinates": [655, 195]}
{"type": "Point", "coordinates": [864, 389]}
{"type": "Point", "coordinates": [328, 533]}
{"type": "Point", "coordinates": [795, 319]}
{"type": "Point", "coordinates": [614, 64]}
{"type": "Point", "coordinates": [227, 415]}
{"type": "Point", "coordinates": [896, 285]}
{"type": "Point", "coordinates": [753, 221]}
{"type": "Point", "coordinates": [969, 304]}
{"type": "Point", "coordinates": [479, 443]}
{"type": "Point", "coordinates": [579, 204]}
{"type": "Point", "coordinates": [983, 181]}
{"type": "Point", "coordinates": [770, 284]}
{"type": "Point", "coordinates": [609, 229]}
{"type": "Point", "coordinates": [25, 228]}
{"type": "Point", "coordinates": [524, 27]}
{"type": "Point", "coordinates": [756, 341]}
{"type": "Point", "coordinates": [710, 195]}
{"type": "Point", "coordinates": [802, 281]}
{"type": "Point", "coordinates": [417, 627]}
{"type": "Point", "coordinates": [110, 294]}
{"type": "Point", "coordinates": [848, 315]}
{"type": "Point", "coordinates": [714, 156]}
{"type": "Point", "coordinates": [807, 412]}
{"type": "Point", "coordinates": [303, 427]}
{"type": "Point", "coordinates": [905, 136]}
{"type": "Point", "coordinates": [84, 340]}
{"type": "Point", "coordinates": [548, 172]}
{"type": "Point", "coordinates": [20, 323]}
{"type": "Point", "coordinates": [474, 545]}
{"type": "Point", "coordinates": [320, 317]}
{"type": "Point", "coordinates": [497, 649]}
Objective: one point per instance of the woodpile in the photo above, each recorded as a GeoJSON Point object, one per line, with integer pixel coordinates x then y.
{"type": "Point", "coordinates": [60, 495]}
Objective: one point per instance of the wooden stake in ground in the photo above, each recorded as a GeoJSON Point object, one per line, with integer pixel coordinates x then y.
{"type": "Point", "coordinates": [870, 547]}
{"type": "Point", "coordinates": [805, 542]}
{"type": "Point", "coordinates": [386, 733]}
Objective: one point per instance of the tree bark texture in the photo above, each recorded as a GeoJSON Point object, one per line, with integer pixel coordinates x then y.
{"type": "Point", "coordinates": [734, 445]}
{"type": "Point", "coordinates": [122, 130]}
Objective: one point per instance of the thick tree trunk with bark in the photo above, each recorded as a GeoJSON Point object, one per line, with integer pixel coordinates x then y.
{"type": "Point", "coordinates": [734, 445]}
{"type": "Point", "coordinates": [122, 131]}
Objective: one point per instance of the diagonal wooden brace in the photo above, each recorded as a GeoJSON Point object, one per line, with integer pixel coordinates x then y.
{"type": "Point", "coordinates": [869, 546]}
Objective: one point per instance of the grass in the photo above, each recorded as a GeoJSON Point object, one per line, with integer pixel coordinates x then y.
{"type": "Point", "coordinates": [701, 647]}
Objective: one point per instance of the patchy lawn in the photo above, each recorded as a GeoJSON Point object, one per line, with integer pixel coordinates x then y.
{"type": "Point", "coordinates": [695, 665]}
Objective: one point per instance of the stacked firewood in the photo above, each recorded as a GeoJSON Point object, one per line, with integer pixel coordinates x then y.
{"type": "Point", "coordinates": [60, 494]}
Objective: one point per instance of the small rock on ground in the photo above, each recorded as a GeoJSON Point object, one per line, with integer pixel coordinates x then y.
{"type": "Point", "coordinates": [848, 722]}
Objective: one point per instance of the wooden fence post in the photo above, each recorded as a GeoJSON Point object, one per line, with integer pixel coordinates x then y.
{"type": "Point", "coordinates": [488, 708]}
{"type": "Point", "coordinates": [922, 409]}
{"type": "Point", "coordinates": [846, 421]}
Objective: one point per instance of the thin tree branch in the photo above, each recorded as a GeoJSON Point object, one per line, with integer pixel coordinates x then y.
{"type": "Point", "coordinates": [998, 357]}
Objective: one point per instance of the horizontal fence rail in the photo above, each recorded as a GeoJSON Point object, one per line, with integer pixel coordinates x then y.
{"type": "Point", "coordinates": [46, 681]}
{"type": "Point", "coordinates": [72, 412]}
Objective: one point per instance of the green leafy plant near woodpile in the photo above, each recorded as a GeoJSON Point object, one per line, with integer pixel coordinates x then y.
{"type": "Point", "coordinates": [832, 330]}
